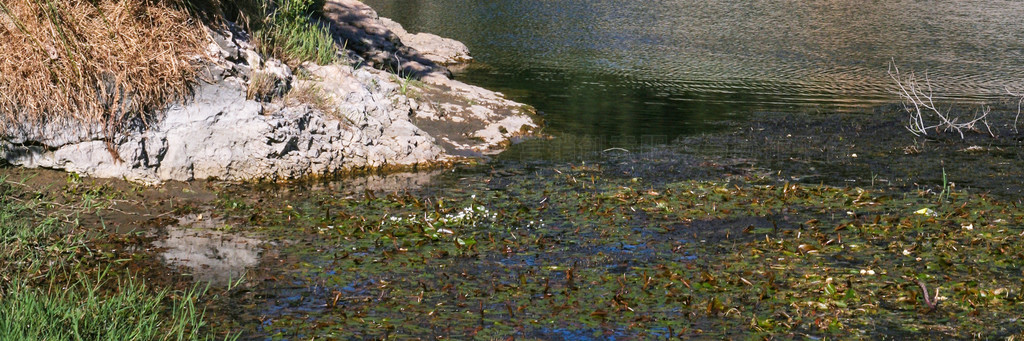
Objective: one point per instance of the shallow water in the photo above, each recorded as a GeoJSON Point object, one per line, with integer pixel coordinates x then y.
{"type": "Point", "coordinates": [583, 230]}
{"type": "Point", "coordinates": [666, 67]}
{"type": "Point", "coordinates": [628, 245]}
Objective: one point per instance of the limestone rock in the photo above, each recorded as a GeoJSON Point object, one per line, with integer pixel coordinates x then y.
{"type": "Point", "coordinates": [470, 120]}
{"type": "Point", "coordinates": [221, 135]}
{"type": "Point", "coordinates": [357, 26]}
{"type": "Point", "coordinates": [440, 50]}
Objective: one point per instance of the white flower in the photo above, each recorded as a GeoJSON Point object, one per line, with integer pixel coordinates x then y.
{"type": "Point", "coordinates": [906, 252]}
{"type": "Point", "coordinates": [927, 212]}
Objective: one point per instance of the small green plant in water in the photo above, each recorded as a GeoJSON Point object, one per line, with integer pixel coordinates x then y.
{"type": "Point", "coordinates": [945, 187]}
{"type": "Point", "coordinates": [52, 288]}
{"type": "Point", "coordinates": [406, 83]}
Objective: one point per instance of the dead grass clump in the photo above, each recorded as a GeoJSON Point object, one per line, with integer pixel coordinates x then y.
{"type": "Point", "coordinates": [94, 62]}
{"type": "Point", "coordinates": [261, 87]}
{"type": "Point", "coordinates": [311, 95]}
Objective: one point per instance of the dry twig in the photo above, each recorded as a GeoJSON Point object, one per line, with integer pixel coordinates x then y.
{"type": "Point", "coordinates": [918, 101]}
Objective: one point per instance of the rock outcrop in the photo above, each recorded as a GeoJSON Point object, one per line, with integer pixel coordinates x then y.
{"type": "Point", "coordinates": [333, 118]}
{"type": "Point", "coordinates": [357, 27]}
{"type": "Point", "coordinates": [220, 134]}
{"type": "Point", "coordinates": [440, 50]}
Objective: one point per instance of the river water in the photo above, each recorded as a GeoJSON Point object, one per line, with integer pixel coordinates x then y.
{"type": "Point", "coordinates": [669, 67]}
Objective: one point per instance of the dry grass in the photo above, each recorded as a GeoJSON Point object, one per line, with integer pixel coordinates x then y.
{"type": "Point", "coordinates": [95, 62]}
{"type": "Point", "coordinates": [312, 95]}
{"type": "Point", "coordinates": [261, 87]}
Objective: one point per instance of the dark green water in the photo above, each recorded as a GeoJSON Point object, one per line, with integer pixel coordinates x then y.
{"type": "Point", "coordinates": [668, 67]}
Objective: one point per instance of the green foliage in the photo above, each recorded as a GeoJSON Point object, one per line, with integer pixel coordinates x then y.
{"type": "Point", "coordinates": [293, 34]}
{"type": "Point", "coordinates": [406, 83]}
{"type": "Point", "coordinates": [82, 311]}
{"type": "Point", "coordinates": [298, 8]}
{"type": "Point", "coordinates": [51, 289]}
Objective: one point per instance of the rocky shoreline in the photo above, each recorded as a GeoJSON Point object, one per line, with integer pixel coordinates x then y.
{"type": "Point", "coordinates": [252, 118]}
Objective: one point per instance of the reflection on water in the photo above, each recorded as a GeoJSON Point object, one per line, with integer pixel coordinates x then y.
{"type": "Point", "coordinates": [625, 67]}
{"type": "Point", "coordinates": [389, 183]}
{"type": "Point", "coordinates": [209, 254]}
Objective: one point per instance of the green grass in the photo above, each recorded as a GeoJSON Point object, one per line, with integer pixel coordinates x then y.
{"type": "Point", "coordinates": [85, 311]}
{"type": "Point", "coordinates": [291, 33]}
{"type": "Point", "coordinates": [51, 288]}
{"type": "Point", "coordinates": [406, 84]}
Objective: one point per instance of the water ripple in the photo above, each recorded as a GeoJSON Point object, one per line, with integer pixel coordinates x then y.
{"type": "Point", "coordinates": [606, 62]}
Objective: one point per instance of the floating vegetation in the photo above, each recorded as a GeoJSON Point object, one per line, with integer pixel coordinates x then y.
{"type": "Point", "coordinates": [569, 253]}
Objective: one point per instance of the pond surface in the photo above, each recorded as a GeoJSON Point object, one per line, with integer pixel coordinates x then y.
{"type": "Point", "coordinates": [692, 241]}
{"type": "Point", "coordinates": [827, 220]}
{"type": "Point", "coordinates": [666, 67]}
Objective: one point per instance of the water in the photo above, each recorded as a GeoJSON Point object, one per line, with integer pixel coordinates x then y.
{"type": "Point", "coordinates": [585, 242]}
{"type": "Point", "coordinates": [669, 67]}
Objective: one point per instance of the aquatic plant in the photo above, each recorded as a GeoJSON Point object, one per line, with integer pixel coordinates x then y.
{"type": "Point", "coordinates": [630, 259]}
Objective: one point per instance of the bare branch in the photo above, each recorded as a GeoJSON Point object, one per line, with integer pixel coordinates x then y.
{"type": "Point", "coordinates": [919, 103]}
{"type": "Point", "coordinates": [1020, 101]}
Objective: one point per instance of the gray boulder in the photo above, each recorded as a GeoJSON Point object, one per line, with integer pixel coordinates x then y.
{"type": "Point", "coordinates": [440, 50]}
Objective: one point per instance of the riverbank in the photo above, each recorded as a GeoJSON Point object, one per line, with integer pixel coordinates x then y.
{"type": "Point", "coordinates": [254, 117]}
{"type": "Point", "coordinates": [688, 239]}
{"type": "Point", "coordinates": [779, 225]}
